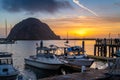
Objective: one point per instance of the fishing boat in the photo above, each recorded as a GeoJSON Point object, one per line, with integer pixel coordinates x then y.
{"type": "Point", "coordinates": [44, 58]}
{"type": "Point", "coordinates": [76, 56]}
{"type": "Point", "coordinates": [7, 70]}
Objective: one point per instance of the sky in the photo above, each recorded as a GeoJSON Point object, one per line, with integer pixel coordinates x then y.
{"type": "Point", "coordinates": [78, 18]}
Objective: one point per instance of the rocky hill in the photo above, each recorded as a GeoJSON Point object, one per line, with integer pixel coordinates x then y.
{"type": "Point", "coordinates": [32, 29]}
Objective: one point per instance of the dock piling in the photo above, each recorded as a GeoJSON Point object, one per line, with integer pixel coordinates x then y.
{"type": "Point", "coordinates": [106, 47]}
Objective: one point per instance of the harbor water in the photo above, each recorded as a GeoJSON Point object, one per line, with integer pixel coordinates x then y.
{"type": "Point", "coordinates": [22, 49]}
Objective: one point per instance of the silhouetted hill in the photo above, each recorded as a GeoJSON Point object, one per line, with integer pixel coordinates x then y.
{"type": "Point", "coordinates": [32, 29]}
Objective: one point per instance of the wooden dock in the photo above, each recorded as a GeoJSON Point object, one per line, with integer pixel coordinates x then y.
{"type": "Point", "coordinates": [92, 74]}
{"type": "Point", "coordinates": [101, 58]}
{"type": "Point", "coordinates": [106, 47]}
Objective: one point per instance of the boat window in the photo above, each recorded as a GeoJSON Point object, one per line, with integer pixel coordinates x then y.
{"type": "Point", "coordinates": [3, 61]}
{"type": "Point", "coordinates": [6, 61]}
{"type": "Point", "coordinates": [46, 51]}
{"type": "Point", "coordinates": [40, 51]}
{"type": "Point", "coordinates": [5, 70]}
{"type": "Point", "coordinates": [75, 53]}
{"type": "Point", "coordinates": [9, 61]}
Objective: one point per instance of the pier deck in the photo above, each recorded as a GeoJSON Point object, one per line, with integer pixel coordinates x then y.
{"type": "Point", "coordinates": [92, 74]}
{"type": "Point", "coordinates": [101, 58]}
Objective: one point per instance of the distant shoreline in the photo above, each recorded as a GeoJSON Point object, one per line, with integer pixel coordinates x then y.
{"type": "Point", "coordinates": [66, 39]}
{"type": "Point", "coordinates": [81, 39]}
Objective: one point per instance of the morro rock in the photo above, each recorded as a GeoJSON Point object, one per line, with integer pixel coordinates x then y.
{"type": "Point", "coordinates": [32, 29]}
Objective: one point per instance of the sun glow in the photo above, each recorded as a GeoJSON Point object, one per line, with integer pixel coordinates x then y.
{"type": "Point", "coordinates": [79, 33]}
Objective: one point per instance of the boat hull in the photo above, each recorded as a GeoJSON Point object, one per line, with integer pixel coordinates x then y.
{"type": "Point", "coordinates": [9, 77]}
{"type": "Point", "coordinates": [42, 65]}
{"type": "Point", "coordinates": [81, 62]}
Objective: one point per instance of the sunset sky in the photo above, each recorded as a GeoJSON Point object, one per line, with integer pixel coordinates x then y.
{"type": "Point", "coordinates": [66, 16]}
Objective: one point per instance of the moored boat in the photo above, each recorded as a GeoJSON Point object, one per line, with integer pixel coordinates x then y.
{"type": "Point", "coordinates": [76, 56]}
{"type": "Point", "coordinates": [7, 70]}
{"type": "Point", "coordinates": [44, 58]}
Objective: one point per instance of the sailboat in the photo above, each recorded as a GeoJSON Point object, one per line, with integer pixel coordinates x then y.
{"type": "Point", "coordinates": [5, 40]}
{"type": "Point", "coordinates": [7, 70]}
{"type": "Point", "coordinates": [67, 41]}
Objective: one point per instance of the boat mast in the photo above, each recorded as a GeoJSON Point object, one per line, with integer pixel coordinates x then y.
{"type": "Point", "coordinates": [6, 28]}
{"type": "Point", "coordinates": [67, 38]}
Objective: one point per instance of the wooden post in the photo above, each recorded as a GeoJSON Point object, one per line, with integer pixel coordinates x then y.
{"type": "Point", "coordinates": [94, 50]}
{"type": "Point", "coordinates": [83, 46]}
{"type": "Point", "coordinates": [109, 50]}
{"type": "Point", "coordinates": [101, 50]}
{"type": "Point", "coordinates": [104, 47]}
{"type": "Point", "coordinates": [41, 44]}
{"type": "Point", "coordinates": [98, 51]}
{"type": "Point", "coordinates": [112, 51]}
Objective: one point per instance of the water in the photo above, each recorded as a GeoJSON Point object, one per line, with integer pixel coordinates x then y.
{"type": "Point", "coordinates": [22, 49]}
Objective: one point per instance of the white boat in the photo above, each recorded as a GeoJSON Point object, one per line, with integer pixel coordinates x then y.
{"type": "Point", "coordinates": [76, 56]}
{"type": "Point", "coordinates": [44, 59]}
{"type": "Point", "coordinates": [7, 71]}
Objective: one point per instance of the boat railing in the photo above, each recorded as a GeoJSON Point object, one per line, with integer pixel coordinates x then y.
{"type": "Point", "coordinates": [5, 54]}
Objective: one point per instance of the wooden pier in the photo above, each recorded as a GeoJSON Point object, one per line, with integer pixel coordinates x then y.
{"type": "Point", "coordinates": [100, 58]}
{"type": "Point", "coordinates": [106, 47]}
{"type": "Point", "coordinates": [92, 74]}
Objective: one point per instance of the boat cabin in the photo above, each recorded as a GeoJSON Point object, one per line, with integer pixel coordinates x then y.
{"type": "Point", "coordinates": [75, 50]}
{"type": "Point", "coordinates": [6, 66]}
{"type": "Point", "coordinates": [5, 58]}
{"type": "Point", "coordinates": [45, 52]}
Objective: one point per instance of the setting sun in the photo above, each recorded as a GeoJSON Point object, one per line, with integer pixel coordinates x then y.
{"type": "Point", "coordinates": [81, 32]}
